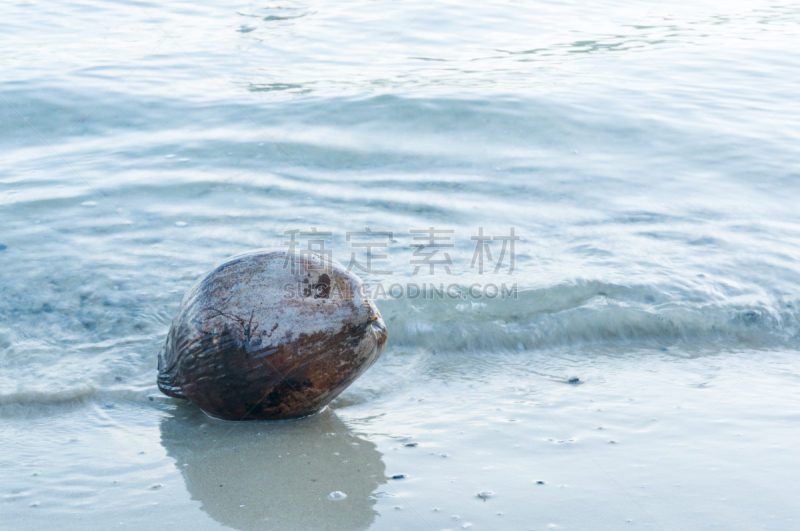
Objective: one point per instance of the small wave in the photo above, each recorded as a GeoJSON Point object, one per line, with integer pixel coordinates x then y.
{"type": "Point", "coordinates": [587, 313]}
{"type": "Point", "coordinates": [50, 396]}
{"type": "Point", "coordinates": [577, 313]}
{"type": "Point", "coordinates": [36, 401]}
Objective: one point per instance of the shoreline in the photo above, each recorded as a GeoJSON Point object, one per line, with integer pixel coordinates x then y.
{"type": "Point", "coordinates": [685, 430]}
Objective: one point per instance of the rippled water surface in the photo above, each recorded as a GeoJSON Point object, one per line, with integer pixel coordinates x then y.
{"type": "Point", "coordinates": [646, 155]}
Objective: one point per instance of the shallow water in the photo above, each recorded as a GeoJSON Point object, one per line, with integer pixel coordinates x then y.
{"type": "Point", "coordinates": [645, 155]}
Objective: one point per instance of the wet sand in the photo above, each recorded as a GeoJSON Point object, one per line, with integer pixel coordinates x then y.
{"type": "Point", "coordinates": [674, 441]}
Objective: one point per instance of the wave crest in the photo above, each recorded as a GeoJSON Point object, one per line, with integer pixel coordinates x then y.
{"type": "Point", "coordinates": [587, 312]}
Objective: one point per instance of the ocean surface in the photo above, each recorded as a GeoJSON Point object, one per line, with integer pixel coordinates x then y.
{"type": "Point", "coordinates": [645, 155]}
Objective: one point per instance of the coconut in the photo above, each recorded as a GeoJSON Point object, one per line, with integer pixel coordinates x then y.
{"type": "Point", "coordinates": [270, 335]}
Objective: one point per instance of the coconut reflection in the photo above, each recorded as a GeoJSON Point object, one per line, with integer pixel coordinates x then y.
{"type": "Point", "coordinates": [276, 475]}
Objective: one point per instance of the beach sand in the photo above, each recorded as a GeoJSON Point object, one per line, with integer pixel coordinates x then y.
{"type": "Point", "coordinates": [673, 441]}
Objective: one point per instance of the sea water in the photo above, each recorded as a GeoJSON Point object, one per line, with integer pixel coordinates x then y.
{"type": "Point", "coordinates": [630, 363]}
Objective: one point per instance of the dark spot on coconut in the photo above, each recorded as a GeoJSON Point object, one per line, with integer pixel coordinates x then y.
{"type": "Point", "coordinates": [323, 287]}
{"type": "Point", "coordinates": [255, 410]}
